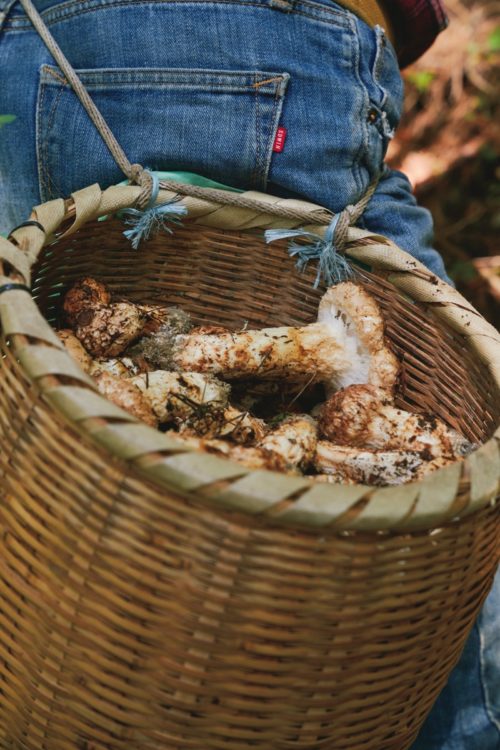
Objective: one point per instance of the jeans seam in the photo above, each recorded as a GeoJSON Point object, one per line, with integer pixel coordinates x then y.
{"type": "Point", "coordinates": [323, 14]}
{"type": "Point", "coordinates": [46, 179]}
{"type": "Point", "coordinates": [105, 78]}
{"type": "Point", "coordinates": [253, 179]}
{"type": "Point", "coordinates": [356, 171]}
{"type": "Point", "coordinates": [42, 188]}
{"type": "Point", "coordinates": [275, 120]}
{"type": "Point", "coordinates": [274, 128]}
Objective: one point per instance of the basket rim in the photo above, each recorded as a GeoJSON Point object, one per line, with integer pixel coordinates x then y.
{"type": "Point", "coordinates": [446, 495]}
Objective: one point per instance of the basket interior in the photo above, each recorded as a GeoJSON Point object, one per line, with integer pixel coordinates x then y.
{"type": "Point", "coordinates": [235, 279]}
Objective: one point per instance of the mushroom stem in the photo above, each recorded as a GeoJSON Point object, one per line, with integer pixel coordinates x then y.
{"type": "Point", "coordinates": [127, 396]}
{"type": "Point", "coordinates": [75, 349]}
{"type": "Point", "coordinates": [270, 352]}
{"type": "Point", "coordinates": [364, 416]}
{"type": "Point", "coordinates": [295, 439]}
{"type": "Point", "coordinates": [381, 468]}
{"type": "Point", "coordinates": [345, 346]}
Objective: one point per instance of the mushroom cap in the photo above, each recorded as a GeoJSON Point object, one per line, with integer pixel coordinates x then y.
{"type": "Point", "coordinates": [355, 319]}
{"type": "Point", "coordinates": [347, 415]}
{"type": "Point", "coordinates": [107, 331]}
{"type": "Point", "coordinates": [364, 416]}
{"type": "Point", "coordinates": [86, 294]}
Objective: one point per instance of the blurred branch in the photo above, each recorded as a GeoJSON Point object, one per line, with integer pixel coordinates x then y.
{"type": "Point", "coordinates": [448, 144]}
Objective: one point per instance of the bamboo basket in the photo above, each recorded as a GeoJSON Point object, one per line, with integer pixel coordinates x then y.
{"type": "Point", "coordinates": [153, 597]}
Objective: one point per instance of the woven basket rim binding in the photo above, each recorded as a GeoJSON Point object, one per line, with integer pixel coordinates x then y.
{"type": "Point", "coordinates": [163, 460]}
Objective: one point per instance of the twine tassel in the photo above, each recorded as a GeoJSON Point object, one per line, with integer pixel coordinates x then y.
{"type": "Point", "coordinates": [152, 220]}
{"type": "Point", "coordinates": [332, 265]}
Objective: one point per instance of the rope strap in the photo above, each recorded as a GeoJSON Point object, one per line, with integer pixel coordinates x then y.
{"type": "Point", "coordinates": [134, 172]}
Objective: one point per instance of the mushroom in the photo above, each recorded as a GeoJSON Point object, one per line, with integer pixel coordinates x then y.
{"type": "Point", "coordinates": [250, 457]}
{"type": "Point", "coordinates": [380, 468]}
{"type": "Point", "coordinates": [123, 367]}
{"type": "Point", "coordinates": [294, 439]}
{"type": "Point", "coordinates": [86, 294]}
{"type": "Point", "coordinates": [345, 346]}
{"type": "Point", "coordinates": [173, 395]}
{"type": "Point", "coordinates": [288, 448]}
{"type": "Point", "coordinates": [364, 416]}
{"type": "Point", "coordinates": [76, 350]}
{"type": "Point", "coordinates": [201, 402]}
{"type": "Point", "coordinates": [107, 328]}
{"type": "Point", "coordinates": [107, 331]}
{"type": "Point", "coordinates": [127, 396]}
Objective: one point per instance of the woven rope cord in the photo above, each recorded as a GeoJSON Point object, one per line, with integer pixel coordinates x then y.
{"type": "Point", "coordinates": [135, 172]}
{"type": "Point", "coordinates": [163, 460]}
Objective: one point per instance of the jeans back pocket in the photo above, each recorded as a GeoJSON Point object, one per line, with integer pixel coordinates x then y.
{"type": "Point", "coordinates": [220, 124]}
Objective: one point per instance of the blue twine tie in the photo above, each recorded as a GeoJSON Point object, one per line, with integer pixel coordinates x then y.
{"type": "Point", "coordinates": [153, 218]}
{"type": "Point", "coordinates": [332, 265]}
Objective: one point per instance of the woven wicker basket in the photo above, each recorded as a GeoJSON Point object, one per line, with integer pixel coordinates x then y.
{"type": "Point", "coordinates": [153, 597]}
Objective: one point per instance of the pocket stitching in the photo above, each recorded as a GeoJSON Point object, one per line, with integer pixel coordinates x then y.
{"type": "Point", "coordinates": [261, 163]}
{"type": "Point", "coordinates": [117, 77]}
{"type": "Point", "coordinates": [253, 180]}
{"type": "Point", "coordinates": [275, 120]}
{"type": "Point", "coordinates": [51, 187]}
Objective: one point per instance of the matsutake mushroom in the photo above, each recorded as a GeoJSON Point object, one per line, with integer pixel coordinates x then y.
{"type": "Point", "coordinates": [289, 448]}
{"type": "Point", "coordinates": [380, 468]}
{"type": "Point", "coordinates": [295, 439]}
{"type": "Point", "coordinates": [107, 331]}
{"type": "Point", "coordinates": [86, 294]}
{"type": "Point", "coordinates": [107, 328]}
{"type": "Point", "coordinates": [76, 350]}
{"type": "Point", "coordinates": [346, 345]}
{"type": "Point", "coordinates": [200, 403]}
{"type": "Point", "coordinates": [364, 416]}
{"type": "Point", "coordinates": [124, 367]}
{"type": "Point", "coordinates": [127, 396]}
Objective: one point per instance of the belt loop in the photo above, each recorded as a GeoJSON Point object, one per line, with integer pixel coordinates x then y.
{"type": "Point", "coordinates": [5, 8]}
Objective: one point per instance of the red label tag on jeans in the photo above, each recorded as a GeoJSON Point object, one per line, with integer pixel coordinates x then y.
{"type": "Point", "coordinates": [279, 141]}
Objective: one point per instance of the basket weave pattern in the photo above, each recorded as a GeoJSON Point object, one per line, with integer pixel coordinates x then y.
{"type": "Point", "coordinates": [153, 597]}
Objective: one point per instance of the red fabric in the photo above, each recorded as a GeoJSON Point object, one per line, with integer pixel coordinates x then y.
{"type": "Point", "coordinates": [416, 25]}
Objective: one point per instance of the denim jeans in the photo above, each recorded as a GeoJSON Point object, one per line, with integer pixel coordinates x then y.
{"type": "Point", "coordinates": [203, 86]}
